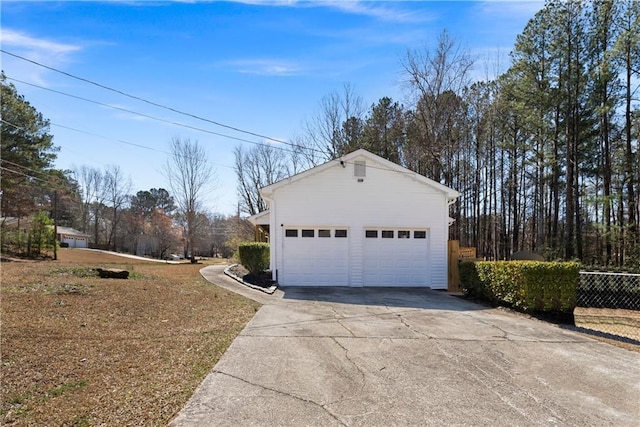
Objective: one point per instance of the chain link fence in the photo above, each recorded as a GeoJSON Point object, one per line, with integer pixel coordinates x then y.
{"type": "Point", "coordinates": [609, 303]}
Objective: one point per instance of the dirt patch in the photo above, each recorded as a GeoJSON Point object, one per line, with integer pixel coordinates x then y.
{"type": "Point", "coordinates": [80, 350]}
{"type": "Point", "coordinates": [623, 323]}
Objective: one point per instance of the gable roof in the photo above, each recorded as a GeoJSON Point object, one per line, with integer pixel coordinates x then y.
{"type": "Point", "coordinates": [71, 232]}
{"type": "Point", "coordinates": [13, 221]}
{"type": "Point", "coordinates": [452, 194]}
{"type": "Point", "coordinates": [261, 218]}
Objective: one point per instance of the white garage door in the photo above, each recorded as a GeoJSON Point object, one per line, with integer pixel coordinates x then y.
{"type": "Point", "coordinates": [315, 256]}
{"type": "Point", "coordinates": [396, 257]}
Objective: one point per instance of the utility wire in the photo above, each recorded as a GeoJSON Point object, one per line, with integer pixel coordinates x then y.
{"type": "Point", "coordinates": [149, 116]}
{"type": "Point", "coordinates": [166, 152]}
{"type": "Point", "coordinates": [24, 174]}
{"type": "Point", "coordinates": [155, 104]}
{"type": "Point", "coordinates": [166, 108]}
{"type": "Point", "coordinates": [20, 166]}
{"type": "Point", "coordinates": [146, 147]}
{"type": "Point", "coordinates": [103, 137]}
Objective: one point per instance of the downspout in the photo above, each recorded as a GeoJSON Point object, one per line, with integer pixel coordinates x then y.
{"type": "Point", "coordinates": [273, 250]}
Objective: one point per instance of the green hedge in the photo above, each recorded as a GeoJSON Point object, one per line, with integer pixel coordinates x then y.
{"type": "Point", "coordinates": [527, 285]}
{"type": "Point", "coordinates": [254, 256]}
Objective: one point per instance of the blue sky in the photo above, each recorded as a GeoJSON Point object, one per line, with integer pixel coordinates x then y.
{"type": "Point", "coordinates": [261, 66]}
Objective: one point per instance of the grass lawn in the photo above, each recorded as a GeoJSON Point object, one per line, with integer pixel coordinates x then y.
{"type": "Point", "coordinates": [77, 350]}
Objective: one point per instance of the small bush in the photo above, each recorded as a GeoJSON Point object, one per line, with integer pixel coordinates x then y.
{"type": "Point", "coordinates": [527, 285]}
{"type": "Point", "coordinates": [254, 256]}
{"type": "Point", "coordinates": [470, 281]}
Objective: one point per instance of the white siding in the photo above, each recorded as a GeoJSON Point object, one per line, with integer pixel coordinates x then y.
{"type": "Point", "coordinates": [384, 198]}
{"type": "Point", "coordinates": [74, 241]}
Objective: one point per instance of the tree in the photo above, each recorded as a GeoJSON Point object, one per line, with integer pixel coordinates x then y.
{"type": "Point", "coordinates": [604, 80]}
{"type": "Point", "coordinates": [26, 150]}
{"type": "Point", "coordinates": [41, 237]}
{"type": "Point", "coordinates": [163, 232]}
{"type": "Point", "coordinates": [116, 190]}
{"type": "Point", "coordinates": [325, 132]}
{"type": "Point", "coordinates": [384, 130]}
{"type": "Point", "coordinates": [436, 79]}
{"type": "Point", "coordinates": [89, 181]}
{"type": "Point", "coordinates": [189, 173]}
{"type": "Point", "coordinates": [256, 168]}
{"type": "Point", "coordinates": [628, 48]}
{"type": "Point", "coordinates": [144, 203]}
{"type": "Point", "coordinates": [221, 228]}
{"type": "Point", "coordinates": [66, 190]}
{"type": "Point", "coordinates": [148, 222]}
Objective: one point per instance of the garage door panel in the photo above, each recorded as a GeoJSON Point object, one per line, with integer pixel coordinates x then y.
{"type": "Point", "coordinates": [326, 261]}
{"type": "Point", "coordinates": [315, 261]}
{"type": "Point", "coordinates": [395, 261]}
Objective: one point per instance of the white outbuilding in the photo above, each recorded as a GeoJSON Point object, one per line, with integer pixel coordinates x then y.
{"type": "Point", "coordinates": [73, 238]}
{"type": "Point", "coordinates": [359, 220]}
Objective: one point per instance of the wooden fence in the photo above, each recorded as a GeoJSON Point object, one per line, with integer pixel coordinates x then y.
{"type": "Point", "coordinates": [457, 254]}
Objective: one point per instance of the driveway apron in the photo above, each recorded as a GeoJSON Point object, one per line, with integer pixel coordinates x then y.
{"type": "Point", "coordinates": [386, 357]}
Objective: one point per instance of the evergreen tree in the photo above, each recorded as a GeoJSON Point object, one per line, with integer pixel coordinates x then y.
{"type": "Point", "coordinates": [26, 150]}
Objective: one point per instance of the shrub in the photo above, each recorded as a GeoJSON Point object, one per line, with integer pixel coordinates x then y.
{"type": "Point", "coordinates": [527, 285]}
{"type": "Point", "coordinates": [470, 281]}
{"type": "Point", "coordinates": [254, 256]}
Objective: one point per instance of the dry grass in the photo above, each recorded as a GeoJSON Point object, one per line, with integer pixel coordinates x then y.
{"type": "Point", "coordinates": [611, 322]}
{"type": "Point", "coordinates": [77, 350]}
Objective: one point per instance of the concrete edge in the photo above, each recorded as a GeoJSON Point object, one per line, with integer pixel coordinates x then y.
{"type": "Point", "coordinates": [123, 255]}
{"type": "Point", "coordinates": [270, 290]}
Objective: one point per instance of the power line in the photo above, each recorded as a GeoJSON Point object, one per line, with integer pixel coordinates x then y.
{"type": "Point", "coordinates": [20, 166]}
{"type": "Point", "coordinates": [169, 109]}
{"type": "Point", "coordinates": [24, 174]}
{"type": "Point", "coordinates": [51, 179]}
{"type": "Point", "coordinates": [148, 116]}
{"type": "Point", "coordinates": [112, 139]}
{"type": "Point", "coordinates": [166, 152]}
{"type": "Point", "coordinates": [103, 137]}
{"type": "Point", "coordinates": [155, 104]}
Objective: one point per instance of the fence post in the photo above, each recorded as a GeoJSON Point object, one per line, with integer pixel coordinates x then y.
{"type": "Point", "coordinates": [454, 274]}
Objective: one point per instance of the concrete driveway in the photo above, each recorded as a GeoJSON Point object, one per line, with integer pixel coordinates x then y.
{"type": "Point", "coordinates": [383, 357]}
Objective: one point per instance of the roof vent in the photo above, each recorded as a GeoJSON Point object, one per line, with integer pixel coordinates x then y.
{"type": "Point", "coordinates": [359, 169]}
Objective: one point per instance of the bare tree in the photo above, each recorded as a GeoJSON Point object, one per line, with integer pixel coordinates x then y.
{"type": "Point", "coordinates": [325, 134]}
{"type": "Point", "coordinates": [116, 188]}
{"type": "Point", "coordinates": [161, 228]}
{"type": "Point", "coordinates": [298, 160]}
{"type": "Point", "coordinates": [189, 173]}
{"type": "Point", "coordinates": [90, 182]}
{"type": "Point", "coordinates": [437, 79]}
{"type": "Point", "coordinates": [257, 168]}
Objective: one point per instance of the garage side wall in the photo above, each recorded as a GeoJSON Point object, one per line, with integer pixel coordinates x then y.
{"type": "Point", "coordinates": [383, 198]}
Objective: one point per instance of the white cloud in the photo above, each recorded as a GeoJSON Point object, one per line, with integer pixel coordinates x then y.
{"type": "Point", "coordinates": [47, 52]}
{"type": "Point", "coordinates": [24, 41]}
{"type": "Point", "coordinates": [514, 9]}
{"type": "Point", "coordinates": [389, 11]}
{"type": "Point", "coordinates": [267, 67]}
{"type": "Point", "coordinates": [269, 2]}
{"type": "Point", "coordinates": [384, 11]}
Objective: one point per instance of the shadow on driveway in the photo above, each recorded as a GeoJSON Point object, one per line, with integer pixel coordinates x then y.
{"type": "Point", "coordinates": [380, 296]}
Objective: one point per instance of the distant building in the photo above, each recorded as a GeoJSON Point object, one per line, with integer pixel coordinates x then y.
{"type": "Point", "coordinates": [73, 237]}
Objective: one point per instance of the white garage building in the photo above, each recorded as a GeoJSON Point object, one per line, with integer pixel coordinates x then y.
{"type": "Point", "coordinates": [73, 237]}
{"type": "Point", "coordinates": [358, 221]}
